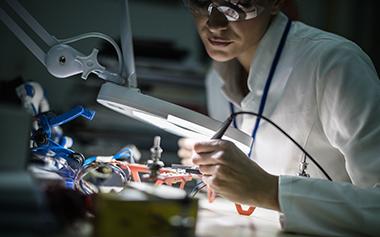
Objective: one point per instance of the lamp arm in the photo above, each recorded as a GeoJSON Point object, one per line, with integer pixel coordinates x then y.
{"type": "Point", "coordinates": [22, 36]}
{"type": "Point", "coordinates": [127, 46]}
{"type": "Point", "coordinates": [61, 60]}
{"type": "Point", "coordinates": [32, 23]}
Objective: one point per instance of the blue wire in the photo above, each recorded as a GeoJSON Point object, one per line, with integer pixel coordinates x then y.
{"type": "Point", "coordinates": [89, 160]}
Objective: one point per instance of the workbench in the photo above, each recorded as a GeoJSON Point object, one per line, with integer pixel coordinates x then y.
{"type": "Point", "coordinates": [220, 218]}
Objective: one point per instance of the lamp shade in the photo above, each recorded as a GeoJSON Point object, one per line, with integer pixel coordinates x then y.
{"type": "Point", "coordinates": [170, 117]}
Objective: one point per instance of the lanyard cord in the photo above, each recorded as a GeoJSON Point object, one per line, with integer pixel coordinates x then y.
{"type": "Point", "coordinates": [267, 86]}
{"type": "Point", "coordinates": [269, 81]}
{"type": "Point", "coordinates": [232, 109]}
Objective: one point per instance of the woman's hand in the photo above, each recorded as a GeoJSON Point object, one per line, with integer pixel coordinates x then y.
{"type": "Point", "coordinates": [185, 151]}
{"type": "Point", "coordinates": [228, 171]}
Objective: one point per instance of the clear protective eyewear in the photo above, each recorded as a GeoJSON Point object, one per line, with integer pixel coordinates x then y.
{"type": "Point", "coordinates": [233, 10]}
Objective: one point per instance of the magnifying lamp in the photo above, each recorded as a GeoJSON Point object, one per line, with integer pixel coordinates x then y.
{"type": "Point", "coordinates": [120, 92]}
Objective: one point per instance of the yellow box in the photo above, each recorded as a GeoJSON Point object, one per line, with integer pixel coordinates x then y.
{"type": "Point", "coordinates": [152, 217]}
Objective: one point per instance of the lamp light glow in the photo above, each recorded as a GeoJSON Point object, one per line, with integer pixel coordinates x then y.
{"type": "Point", "coordinates": [170, 117]}
{"type": "Point", "coordinates": [168, 126]}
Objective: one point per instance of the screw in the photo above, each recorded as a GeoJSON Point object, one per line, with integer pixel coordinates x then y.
{"type": "Point", "coordinates": [62, 60]}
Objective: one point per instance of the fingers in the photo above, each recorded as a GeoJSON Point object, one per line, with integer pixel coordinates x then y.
{"type": "Point", "coordinates": [207, 179]}
{"type": "Point", "coordinates": [186, 143]}
{"type": "Point", "coordinates": [209, 146]}
{"type": "Point", "coordinates": [185, 153]}
{"type": "Point", "coordinates": [212, 158]}
{"type": "Point", "coordinates": [208, 169]}
{"type": "Point", "coordinates": [215, 182]}
{"type": "Point", "coordinates": [219, 171]}
{"type": "Point", "coordinates": [187, 161]}
{"type": "Point", "coordinates": [203, 146]}
{"type": "Point", "coordinates": [212, 152]}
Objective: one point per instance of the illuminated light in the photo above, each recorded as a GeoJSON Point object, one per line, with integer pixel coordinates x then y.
{"type": "Point", "coordinates": [187, 124]}
{"type": "Point", "coordinates": [202, 133]}
{"type": "Point", "coordinates": [170, 117]}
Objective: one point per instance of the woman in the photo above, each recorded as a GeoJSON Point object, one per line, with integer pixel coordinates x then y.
{"type": "Point", "coordinates": [320, 88]}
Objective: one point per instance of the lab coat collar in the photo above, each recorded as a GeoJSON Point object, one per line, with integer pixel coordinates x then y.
{"type": "Point", "coordinates": [265, 54]}
{"type": "Point", "coordinates": [230, 71]}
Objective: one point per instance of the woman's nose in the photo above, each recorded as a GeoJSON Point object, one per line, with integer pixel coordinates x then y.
{"type": "Point", "coordinates": [217, 20]}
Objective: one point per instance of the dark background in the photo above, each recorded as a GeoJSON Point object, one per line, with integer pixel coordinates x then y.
{"type": "Point", "coordinates": [170, 60]}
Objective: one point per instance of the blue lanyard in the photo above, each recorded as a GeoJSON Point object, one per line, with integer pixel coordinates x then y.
{"type": "Point", "coordinates": [267, 85]}
{"type": "Point", "coordinates": [232, 109]}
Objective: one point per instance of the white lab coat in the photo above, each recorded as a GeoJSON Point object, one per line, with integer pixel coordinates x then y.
{"type": "Point", "coordinates": [326, 94]}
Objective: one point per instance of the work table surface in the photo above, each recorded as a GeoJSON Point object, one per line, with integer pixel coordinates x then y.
{"type": "Point", "coordinates": [220, 218]}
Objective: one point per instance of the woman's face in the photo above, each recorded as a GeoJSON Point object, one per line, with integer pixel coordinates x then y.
{"type": "Point", "coordinates": [226, 40]}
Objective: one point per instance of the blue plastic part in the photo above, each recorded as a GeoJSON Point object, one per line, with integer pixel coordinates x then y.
{"type": "Point", "coordinates": [72, 114]}
{"type": "Point", "coordinates": [29, 90]}
{"type": "Point", "coordinates": [54, 142]}
{"type": "Point", "coordinates": [89, 160]}
{"type": "Point", "coordinates": [51, 146]}
{"type": "Point", "coordinates": [124, 153]}
{"type": "Point", "coordinates": [43, 121]}
{"type": "Point", "coordinates": [62, 141]}
{"type": "Point", "coordinates": [66, 172]}
{"type": "Point", "coordinates": [69, 183]}
{"type": "Point", "coordinates": [47, 122]}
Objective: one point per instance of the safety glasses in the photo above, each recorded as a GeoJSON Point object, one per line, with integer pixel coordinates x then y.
{"type": "Point", "coordinates": [233, 10]}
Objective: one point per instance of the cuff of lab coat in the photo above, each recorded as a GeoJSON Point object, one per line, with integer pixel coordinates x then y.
{"type": "Point", "coordinates": [292, 190]}
{"type": "Point", "coordinates": [284, 189]}
{"type": "Point", "coordinates": [321, 207]}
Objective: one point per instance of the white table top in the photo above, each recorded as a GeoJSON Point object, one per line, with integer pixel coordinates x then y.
{"type": "Point", "coordinates": [220, 218]}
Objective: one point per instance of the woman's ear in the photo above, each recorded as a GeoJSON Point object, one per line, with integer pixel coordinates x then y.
{"type": "Point", "coordinates": [276, 6]}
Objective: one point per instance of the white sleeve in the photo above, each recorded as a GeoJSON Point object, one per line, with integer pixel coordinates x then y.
{"type": "Point", "coordinates": [324, 208]}
{"type": "Point", "coordinates": [348, 100]}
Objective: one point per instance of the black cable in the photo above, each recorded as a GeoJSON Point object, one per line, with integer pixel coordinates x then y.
{"type": "Point", "coordinates": [198, 189]}
{"type": "Point", "coordinates": [232, 116]}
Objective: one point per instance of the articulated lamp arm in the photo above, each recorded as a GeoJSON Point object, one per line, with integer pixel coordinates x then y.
{"type": "Point", "coordinates": [62, 60]}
